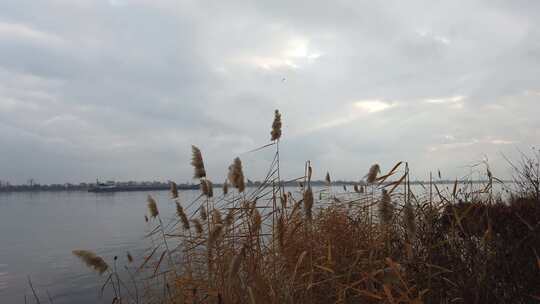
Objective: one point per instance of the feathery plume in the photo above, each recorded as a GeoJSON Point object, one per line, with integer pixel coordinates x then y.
{"type": "Point", "coordinates": [198, 226]}
{"type": "Point", "coordinates": [236, 175]}
{"type": "Point", "coordinates": [410, 223]}
{"type": "Point", "coordinates": [203, 213]}
{"type": "Point", "coordinates": [281, 231]}
{"type": "Point", "coordinates": [152, 206]}
{"type": "Point", "coordinates": [229, 219]}
{"type": "Point", "coordinates": [372, 174]}
{"type": "Point", "coordinates": [276, 126]}
{"type": "Point", "coordinates": [236, 262]}
{"type": "Point", "coordinates": [207, 188]}
{"type": "Point", "coordinates": [182, 215]}
{"type": "Point", "coordinates": [327, 179]}
{"type": "Point", "coordinates": [92, 260]}
{"type": "Point", "coordinates": [215, 234]}
{"type": "Point", "coordinates": [225, 188]}
{"type": "Point", "coordinates": [174, 190]}
{"type": "Point", "coordinates": [129, 257]}
{"type": "Point", "coordinates": [197, 163]}
{"type": "Point", "coordinates": [216, 217]}
{"type": "Point", "coordinates": [386, 209]}
{"type": "Point", "coordinates": [308, 202]}
{"type": "Point", "coordinates": [256, 220]}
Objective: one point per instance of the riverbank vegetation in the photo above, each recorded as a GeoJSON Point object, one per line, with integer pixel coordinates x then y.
{"type": "Point", "coordinates": [374, 242]}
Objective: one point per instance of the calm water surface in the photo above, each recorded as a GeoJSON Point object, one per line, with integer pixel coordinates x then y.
{"type": "Point", "coordinates": [39, 230]}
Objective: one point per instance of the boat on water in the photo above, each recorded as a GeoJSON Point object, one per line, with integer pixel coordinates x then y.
{"type": "Point", "coordinates": [111, 186]}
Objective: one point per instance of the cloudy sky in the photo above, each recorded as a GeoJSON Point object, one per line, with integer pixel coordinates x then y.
{"type": "Point", "coordinates": [120, 89]}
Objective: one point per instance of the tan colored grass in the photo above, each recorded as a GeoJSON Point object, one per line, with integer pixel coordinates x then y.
{"type": "Point", "coordinates": [152, 206]}
{"type": "Point", "coordinates": [197, 163]}
{"type": "Point", "coordinates": [92, 260]}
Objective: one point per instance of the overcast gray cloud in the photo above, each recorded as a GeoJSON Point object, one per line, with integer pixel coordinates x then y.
{"type": "Point", "coordinates": [120, 89]}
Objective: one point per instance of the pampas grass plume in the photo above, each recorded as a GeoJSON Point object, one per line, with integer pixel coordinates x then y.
{"type": "Point", "coordinates": [152, 206]}
{"type": "Point", "coordinates": [92, 260]}
{"type": "Point", "coordinates": [182, 215]}
{"type": "Point", "coordinates": [236, 175]}
{"type": "Point", "coordinates": [276, 126]}
{"type": "Point", "coordinates": [372, 174]}
{"type": "Point", "coordinates": [197, 163]}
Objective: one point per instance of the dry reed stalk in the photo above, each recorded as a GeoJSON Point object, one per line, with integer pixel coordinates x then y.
{"type": "Point", "coordinates": [92, 260]}
{"type": "Point", "coordinates": [182, 215]}
{"type": "Point", "coordinates": [373, 172]}
{"type": "Point", "coordinates": [235, 264]}
{"type": "Point", "coordinates": [236, 175]}
{"type": "Point", "coordinates": [152, 206]}
{"type": "Point", "coordinates": [281, 230]}
{"type": "Point", "coordinates": [276, 127]}
{"type": "Point", "coordinates": [308, 203]}
{"type": "Point", "coordinates": [386, 209]}
{"type": "Point", "coordinates": [198, 226]}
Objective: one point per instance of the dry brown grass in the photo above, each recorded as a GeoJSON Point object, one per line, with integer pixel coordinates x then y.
{"type": "Point", "coordinates": [380, 243]}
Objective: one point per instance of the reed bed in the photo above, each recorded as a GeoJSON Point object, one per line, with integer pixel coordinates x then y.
{"type": "Point", "coordinates": [378, 243]}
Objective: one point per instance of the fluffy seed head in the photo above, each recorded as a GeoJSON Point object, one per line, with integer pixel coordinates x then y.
{"type": "Point", "coordinates": [276, 126]}
{"type": "Point", "coordinates": [152, 206]}
{"type": "Point", "coordinates": [198, 226]}
{"type": "Point", "coordinates": [235, 263]}
{"type": "Point", "coordinates": [182, 215]}
{"type": "Point", "coordinates": [207, 188]}
{"type": "Point", "coordinates": [216, 217]}
{"type": "Point", "coordinates": [129, 257]}
{"type": "Point", "coordinates": [229, 219]}
{"type": "Point", "coordinates": [236, 175]}
{"type": "Point", "coordinates": [174, 190]}
{"type": "Point", "coordinates": [410, 223]}
{"type": "Point", "coordinates": [372, 174]}
{"type": "Point", "coordinates": [225, 188]}
{"type": "Point", "coordinates": [256, 221]}
{"type": "Point", "coordinates": [215, 234]}
{"type": "Point", "coordinates": [386, 208]}
{"type": "Point", "coordinates": [92, 260]}
{"type": "Point", "coordinates": [197, 163]}
{"type": "Point", "coordinates": [203, 213]}
{"type": "Point", "coordinates": [327, 179]}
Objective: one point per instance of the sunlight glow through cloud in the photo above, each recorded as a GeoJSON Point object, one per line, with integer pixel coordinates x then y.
{"type": "Point", "coordinates": [294, 55]}
{"type": "Point", "coordinates": [373, 106]}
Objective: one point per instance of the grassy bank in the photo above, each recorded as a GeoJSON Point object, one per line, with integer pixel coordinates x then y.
{"type": "Point", "coordinates": [374, 242]}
